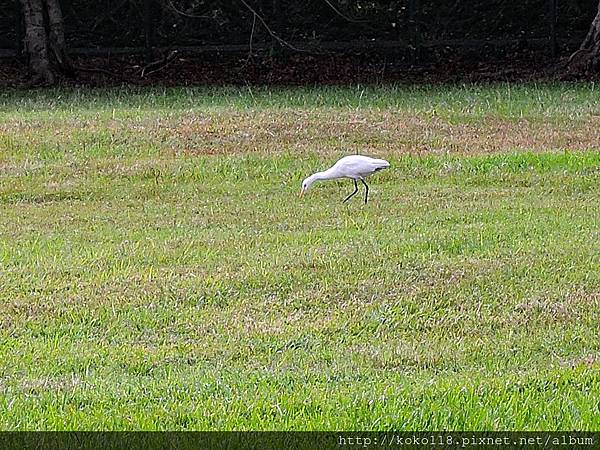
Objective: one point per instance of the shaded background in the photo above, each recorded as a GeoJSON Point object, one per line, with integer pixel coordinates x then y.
{"type": "Point", "coordinates": [407, 34]}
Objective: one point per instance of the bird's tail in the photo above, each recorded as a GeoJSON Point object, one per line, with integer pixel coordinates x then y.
{"type": "Point", "coordinates": [381, 164]}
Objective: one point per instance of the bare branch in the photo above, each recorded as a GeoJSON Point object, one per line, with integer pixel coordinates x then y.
{"type": "Point", "coordinates": [252, 34]}
{"type": "Point", "coordinates": [184, 14]}
{"type": "Point", "coordinates": [273, 35]}
{"type": "Point", "coordinates": [341, 14]}
{"type": "Point", "coordinates": [160, 64]}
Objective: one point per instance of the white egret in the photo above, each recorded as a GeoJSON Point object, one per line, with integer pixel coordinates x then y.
{"type": "Point", "coordinates": [355, 167]}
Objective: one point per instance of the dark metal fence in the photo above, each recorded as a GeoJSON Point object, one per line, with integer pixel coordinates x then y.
{"type": "Point", "coordinates": [139, 26]}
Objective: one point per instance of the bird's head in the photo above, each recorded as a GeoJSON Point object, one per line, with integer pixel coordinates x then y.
{"type": "Point", "coordinates": [305, 185]}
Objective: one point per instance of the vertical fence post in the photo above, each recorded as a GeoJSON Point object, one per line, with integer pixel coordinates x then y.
{"type": "Point", "coordinates": [276, 18]}
{"type": "Point", "coordinates": [20, 33]}
{"type": "Point", "coordinates": [414, 15]}
{"type": "Point", "coordinates": [149, 30]}
{"type": "Point", "coordinates": [553, 6]}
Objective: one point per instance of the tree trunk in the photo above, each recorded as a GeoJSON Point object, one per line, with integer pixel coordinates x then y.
{"type": "Point", "coordinates": [56, 35]}
{"type": "Point", "coordinates": [45, 40]}
{"type": "Point", "coordinates": [588, 55]}
{"type": "Point", "coordinates": [36, 41]}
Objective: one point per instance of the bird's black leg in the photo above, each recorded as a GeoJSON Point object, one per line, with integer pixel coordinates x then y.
{"type": "Point", "coordinates": [367, 190]}
{"type": "Point", "coordinates": [353, 193]}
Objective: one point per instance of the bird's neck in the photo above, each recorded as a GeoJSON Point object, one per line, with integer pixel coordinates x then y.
{"type": "Point", "coordinates": [325, 175]}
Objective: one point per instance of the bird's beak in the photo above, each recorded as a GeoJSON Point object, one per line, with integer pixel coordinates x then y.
{"type": "Point", "coordinates": [301, 193]}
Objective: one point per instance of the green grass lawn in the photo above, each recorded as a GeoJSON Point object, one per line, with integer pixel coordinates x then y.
{"type": "Point", "coordinates": [158, 271]}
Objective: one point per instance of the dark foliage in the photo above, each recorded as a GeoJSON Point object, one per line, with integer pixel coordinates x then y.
{"type": "Point", "coordinates": [119, 23]}
{"type": "Point", "coordinates": [232, 33]}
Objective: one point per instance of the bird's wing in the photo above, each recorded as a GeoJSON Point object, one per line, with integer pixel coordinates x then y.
{"type": "Point", "coordinates": [349, 166]}
{"type": "Point", "coordinates": [359, 165]}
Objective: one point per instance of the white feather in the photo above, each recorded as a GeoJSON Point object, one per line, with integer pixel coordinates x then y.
{"type": "Point", "coordinates": [355, 167]}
